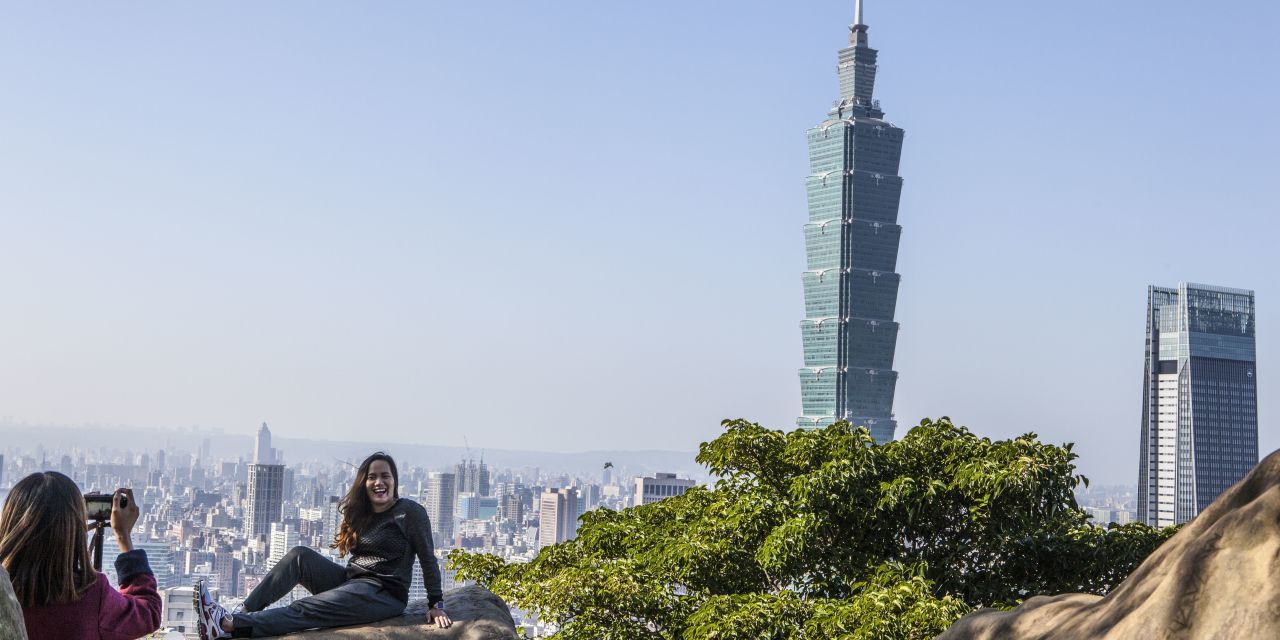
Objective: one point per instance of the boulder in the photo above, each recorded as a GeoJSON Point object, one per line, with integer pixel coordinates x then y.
{"type": "Point", "coordinates": [11, 625]}
{"type": "Point", "coordinates": [477, 614]}
{"type": "Point", "coordinates": [1218, 578]}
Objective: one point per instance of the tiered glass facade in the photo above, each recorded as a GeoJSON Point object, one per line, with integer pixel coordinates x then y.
{"type": "Point", "coordinates": [851, 248]}
{"type": "Point", "coordinates": [1200, 400]}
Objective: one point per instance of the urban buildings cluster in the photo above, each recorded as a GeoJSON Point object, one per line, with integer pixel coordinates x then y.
{"type": "Point", "coordinates": [229, 521]}
{"type": "Point", "coordinates": [1109, 504]}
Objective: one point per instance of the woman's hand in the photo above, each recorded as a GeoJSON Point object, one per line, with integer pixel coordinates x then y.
{"type": "Point", "coordinates": [124, 517]}
{"type": "Point", "coordinates": [439, 617]}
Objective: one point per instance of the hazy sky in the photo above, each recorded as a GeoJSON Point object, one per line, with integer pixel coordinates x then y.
{"type": "Point", "coordinates": [576, 225]}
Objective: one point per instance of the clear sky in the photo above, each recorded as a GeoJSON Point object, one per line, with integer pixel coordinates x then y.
{"type": "Point", "coordinates": [576, 225]}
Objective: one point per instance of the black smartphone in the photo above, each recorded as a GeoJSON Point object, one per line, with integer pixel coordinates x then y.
{"type": "Point", "coordinates": [98, 506]}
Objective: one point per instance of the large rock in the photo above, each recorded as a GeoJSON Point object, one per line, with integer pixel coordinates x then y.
{"type": "Point", "coordinates": [11, 625]}
{"type": "Point", "coordinates": [477, 614]}
{"type": "Point", "coordinates": [1218, 578]}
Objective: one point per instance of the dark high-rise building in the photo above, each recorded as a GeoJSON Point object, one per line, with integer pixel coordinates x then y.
{"type": "Point", "coordinates": [510, 511]}
{"type": "Point", "coordinates": [1199, 400]}
{"type": "Point", "coordinates": [265, 500]}
{"type": "Point", "coordinates": [227, 568]}
{"type": "Point", "coordinates": [163, 562]}
{"type": "Point", "coordinates": [851, 249]}
{"type": "Point", "coordinates": [472, 477]}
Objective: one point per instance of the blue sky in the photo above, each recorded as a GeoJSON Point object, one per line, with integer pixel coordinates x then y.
{"type": "Point", "coordinates": [577, 225]}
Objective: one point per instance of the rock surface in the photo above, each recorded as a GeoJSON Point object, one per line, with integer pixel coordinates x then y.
{"type": "Point", "coordinates": [477, 615]}
{"type": "Point", "coordinates": [11, 625]}
{"type": "Point", "coordinates": [1218, 578]}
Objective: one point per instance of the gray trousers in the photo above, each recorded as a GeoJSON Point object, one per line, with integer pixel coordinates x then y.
{"type": "Point", "coordinates": [335, 601]}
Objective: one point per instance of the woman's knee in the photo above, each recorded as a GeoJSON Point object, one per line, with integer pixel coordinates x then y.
{"type": "Point", "coordinates": [297, 554]}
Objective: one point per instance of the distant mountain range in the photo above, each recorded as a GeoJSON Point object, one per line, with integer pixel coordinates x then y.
{"type": "Point", "coordinates": [59, 440]}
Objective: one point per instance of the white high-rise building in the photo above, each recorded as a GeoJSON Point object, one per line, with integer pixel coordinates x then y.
{"type": "Point", "coordinates": [1166, 448]}
{"type": "Point", "coordinates": [557, 516]}
{"type": "Point", "coordinates": [262, 451]}
{"type": "Point", "coordinates": [283, 538]}
{"type": "Point", "coordinates": [178, 611]}
{"type": "Point", "coordinates": [661, 485]}
{"type": "Point", "coordinates": [441, 492]}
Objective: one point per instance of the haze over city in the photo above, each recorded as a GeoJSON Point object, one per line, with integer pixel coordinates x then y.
{"type": "Point", "coordinates": [577, 226]}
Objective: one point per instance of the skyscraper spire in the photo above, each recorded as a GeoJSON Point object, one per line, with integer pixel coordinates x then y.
{"type": "Point", "coordinates": [262, 448]}
{"type": "Point", "coordinates": [858, 30]}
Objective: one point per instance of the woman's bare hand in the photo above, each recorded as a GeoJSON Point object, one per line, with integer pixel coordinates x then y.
{"type": "Point", "coordinates": [124, 517]}
{"type": "Point", "coordinates": [439, 617]}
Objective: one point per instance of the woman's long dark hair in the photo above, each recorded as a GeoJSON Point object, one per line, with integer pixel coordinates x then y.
{"type": "Point", "coordinates": [43, 544]}
{"type": "Point", "coordinates": [356, 508]}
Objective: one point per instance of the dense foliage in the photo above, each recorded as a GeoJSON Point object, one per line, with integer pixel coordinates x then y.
{"type": "Point", "coordinates": [820, 534]}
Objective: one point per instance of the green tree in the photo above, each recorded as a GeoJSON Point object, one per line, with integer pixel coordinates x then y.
{"type": "Point", "coordinates": [819, 534]}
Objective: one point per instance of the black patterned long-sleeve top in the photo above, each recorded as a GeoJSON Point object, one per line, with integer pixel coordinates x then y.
{"type": "Point", "coordinates": [385, 552]}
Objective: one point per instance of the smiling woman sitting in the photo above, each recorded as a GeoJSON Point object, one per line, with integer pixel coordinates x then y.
{"type": "Point", "coordinates": [382, 532]}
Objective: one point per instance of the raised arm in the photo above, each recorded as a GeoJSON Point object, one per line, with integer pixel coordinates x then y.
{"type": "Point", "coordinates": [134, 610]}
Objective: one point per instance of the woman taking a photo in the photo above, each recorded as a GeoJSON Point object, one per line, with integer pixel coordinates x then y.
{"type": "Point", "coordinates": [44, 547]}
{"type": "Point", "coordinates": [382, 532]}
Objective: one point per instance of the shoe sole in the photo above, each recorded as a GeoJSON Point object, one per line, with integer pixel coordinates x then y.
{"type": "Point", "coordinates": [202, 630]}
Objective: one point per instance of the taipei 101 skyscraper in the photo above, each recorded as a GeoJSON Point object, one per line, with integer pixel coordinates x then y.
{"type": "Point", "coordinates": [851, 249]}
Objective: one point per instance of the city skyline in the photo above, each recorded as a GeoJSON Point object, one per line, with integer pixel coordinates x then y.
{"type": "Point", "coordinates": [311, 234]}
{"type": "Point", "coordinates": [227, 521]}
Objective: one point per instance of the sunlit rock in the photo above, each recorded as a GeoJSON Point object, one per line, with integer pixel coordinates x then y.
{"type": "Point", "coordinates": [1218, 578]}
{"type": "Point", "coordinates": [477, 615]}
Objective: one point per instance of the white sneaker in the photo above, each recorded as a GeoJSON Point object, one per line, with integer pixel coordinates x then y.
{"type": "Point", "coordinates": [209, 614]}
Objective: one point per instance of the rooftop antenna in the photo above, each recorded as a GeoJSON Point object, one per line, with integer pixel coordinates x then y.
{"type": "Point", "coordinates": [858, 30]}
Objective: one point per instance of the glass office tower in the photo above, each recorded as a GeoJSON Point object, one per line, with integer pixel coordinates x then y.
{"type": "Point", "coordinates": [1199, 400]}
{"type": "Point", "coordinates": [851, 248]}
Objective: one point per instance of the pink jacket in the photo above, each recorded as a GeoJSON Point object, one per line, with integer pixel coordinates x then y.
{"type": "Point", "coordinates": [104, 613]}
